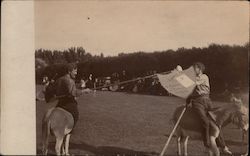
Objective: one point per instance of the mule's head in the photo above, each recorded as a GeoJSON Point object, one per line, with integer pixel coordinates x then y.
{"type": "Point", "coordinates": [240, 115]}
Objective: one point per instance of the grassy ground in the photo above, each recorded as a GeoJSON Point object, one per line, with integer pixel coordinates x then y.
{"type": "Point", "coordinates": [118, 123]}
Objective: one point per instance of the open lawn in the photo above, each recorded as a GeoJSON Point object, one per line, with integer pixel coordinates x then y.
{"type": "Point", "coordinates": [114, 123]}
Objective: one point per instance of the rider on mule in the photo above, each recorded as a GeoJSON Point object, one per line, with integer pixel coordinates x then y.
{"type": "Point", "coordinates": [201, 104]}
{"type": "Point", "coordinates": [60, 120]}
{"type": "Point", "coordinates": [66, 91]}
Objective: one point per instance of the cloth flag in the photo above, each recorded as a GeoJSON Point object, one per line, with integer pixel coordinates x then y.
{"type": "Point", "coordinates": [179, 83]}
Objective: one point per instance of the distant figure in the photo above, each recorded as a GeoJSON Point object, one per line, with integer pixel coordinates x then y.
{"type": "Point", "coordinates": [45, 79]}
{"type": "Point", "coordinates": [124, 77]}
{"type": "Point", "coordinates": [96, 83]}
{"type": "Point", "coordinates": [114, 77]}
{"type": "Point", "coordinates": [90, 77]}
{"type": "Point", "coordinates": [90, 81]}
{"type": "Point", "coordinates": [83, 84]}
{"type": "Point", "coordinates": [45, 82]}
{"type": "Point", "coordinates": [40, 92]}
{"type": "Point", "coordinates": [154, 88]}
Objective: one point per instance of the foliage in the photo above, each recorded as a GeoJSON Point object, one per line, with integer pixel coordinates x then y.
{"type": "Point", "coordinates": [224, 63]}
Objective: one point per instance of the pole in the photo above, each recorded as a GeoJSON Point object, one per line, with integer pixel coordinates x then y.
{"type": "Point", "coordinates": [123, 82]}
{"type": "Point", "coordinates": [172, 133]}
{"type": "Point", "coordinates": [128, 81]}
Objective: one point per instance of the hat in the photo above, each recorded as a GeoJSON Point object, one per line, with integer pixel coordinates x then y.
{"type": "Point", "coordinates": [69, 67]}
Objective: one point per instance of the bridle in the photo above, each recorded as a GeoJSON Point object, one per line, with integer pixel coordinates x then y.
{"type": "Point", "coordinates": [237, 119]}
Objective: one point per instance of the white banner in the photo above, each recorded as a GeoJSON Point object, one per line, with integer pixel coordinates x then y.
{"type": "Point", "coordinates": [179, 83]}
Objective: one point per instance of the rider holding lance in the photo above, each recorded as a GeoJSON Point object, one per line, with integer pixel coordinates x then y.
{"type": "Point", "coordinates": [67, 92]}
{"type": "Point", "coordinates": [201, 104]}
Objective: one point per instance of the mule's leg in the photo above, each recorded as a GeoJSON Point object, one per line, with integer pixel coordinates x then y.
{"type": "Point", "coordinates": [63, 147]}
{"type": "Point", "coordinates": [67, 144]}
{"type": "Point", "coordinates": [45, 145]}
{"type": "Point", "coordinates": [214, 147]}
{"type": "Point", "coordinates": [59, 141]}
{"type": "Point", "coordinates": [45, 136]}
{"type": "Point", "coordinates": [179, 145]}
{"type": "Point", "coordinates": [185, 145]}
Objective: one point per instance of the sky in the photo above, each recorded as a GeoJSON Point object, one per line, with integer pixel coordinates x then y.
{"type": "Point", "coordinates": [113, 27]}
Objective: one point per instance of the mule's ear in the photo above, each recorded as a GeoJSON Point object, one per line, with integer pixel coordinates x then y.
{"type": "Point", "coordinates": [234, 99]}
{"type": "Point", "coordinates": [237, 101]}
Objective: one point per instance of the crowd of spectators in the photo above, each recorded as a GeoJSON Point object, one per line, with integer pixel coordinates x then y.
{"type": "Point", "coordinates": [140, 85]}
{"type": "Point", "coordinates": [150, 86]}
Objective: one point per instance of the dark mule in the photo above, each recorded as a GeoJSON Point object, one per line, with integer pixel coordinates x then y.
{"type": "Point", "coordinates": [234, 112]}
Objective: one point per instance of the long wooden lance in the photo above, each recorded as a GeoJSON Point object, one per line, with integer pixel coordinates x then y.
{"type": "Point", "coordinates": [172, 133]}
{"type": "Point", "coordinates": [120, 83]}
{"type": "Point", "coordinates": [128, 81]}
{"type": "Point", "coordinates": [178, 68]}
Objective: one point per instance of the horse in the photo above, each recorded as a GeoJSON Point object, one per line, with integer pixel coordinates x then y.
{"type": "Point", "coordinates": [57, 122]}
{"type": "Point", "coordinates": [234, 112]}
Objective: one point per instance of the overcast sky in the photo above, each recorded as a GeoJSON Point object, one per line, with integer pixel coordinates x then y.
{"type": "Point", "coordinates": [112, 27]}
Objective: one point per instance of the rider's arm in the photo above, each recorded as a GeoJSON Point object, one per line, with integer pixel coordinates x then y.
{"type": "Point", "coordinates": [71, 88]}
{"type": "Point", "coordinates": [188, 100]}
{"type": "Point", "coordinates": [202, 80]}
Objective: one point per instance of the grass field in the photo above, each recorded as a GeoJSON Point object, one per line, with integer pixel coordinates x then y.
{"type": "Point", "coordinates": [114, 123]}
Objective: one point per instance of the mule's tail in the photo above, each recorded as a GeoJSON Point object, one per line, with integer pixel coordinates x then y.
{"type": "Point", "coordinates": [46, 131]}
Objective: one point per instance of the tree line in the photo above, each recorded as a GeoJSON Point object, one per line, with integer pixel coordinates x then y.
{"type": "Point", "coordinates": [226, 65]}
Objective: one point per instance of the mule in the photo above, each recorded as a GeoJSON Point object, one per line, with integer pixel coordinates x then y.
{"type": "Point", "coordinates": [57, 122]}
{"type": "Point", "coordinates": [234, 112]}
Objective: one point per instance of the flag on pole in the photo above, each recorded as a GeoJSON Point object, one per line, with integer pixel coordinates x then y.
{"type": "Point", "coordinates": [179, 83]}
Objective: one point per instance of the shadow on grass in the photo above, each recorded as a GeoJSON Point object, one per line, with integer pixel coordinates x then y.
{"type": "Point", "coordinates": [107, 150]}
{"type": "Point", "coordinates": [115, 151]}
{"type": "Point", "coordinates": [228, 142]}
{"type": "Point", "coordinates": [102, 150]}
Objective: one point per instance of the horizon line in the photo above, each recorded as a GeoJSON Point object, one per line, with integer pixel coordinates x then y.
{"type": "Point", "coordinates": [138, 51]}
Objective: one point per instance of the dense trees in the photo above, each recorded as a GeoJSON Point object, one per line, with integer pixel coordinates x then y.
{"type": "Point", "coordinates": [224, 64]}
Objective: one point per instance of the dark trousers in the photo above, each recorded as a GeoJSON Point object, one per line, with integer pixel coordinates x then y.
{"type": "Point", "coordinates": [201, 105]}
{"type": "Point", "coordinates": [220, 141]}
{"type": "Point", "coordinates": [70, 105]}
{"type": "Point", "coordinates": [200, 108]}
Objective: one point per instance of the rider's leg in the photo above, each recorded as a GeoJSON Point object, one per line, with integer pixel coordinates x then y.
{"type": "Point", "coordinates": [214, 147]}
{"type": "Point", "coordinates": [220, 141]}
{"type": "Point", "coordinates": [201, 111]}
{"type": "Point", "coordinates": [221, 144]}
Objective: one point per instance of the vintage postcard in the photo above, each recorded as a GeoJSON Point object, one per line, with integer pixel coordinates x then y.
{"type": "Point", "coordinates": [125, 78]}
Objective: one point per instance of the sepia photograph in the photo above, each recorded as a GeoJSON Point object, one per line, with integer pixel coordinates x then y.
{"type": "Point", "coordinates": [141, 78]}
